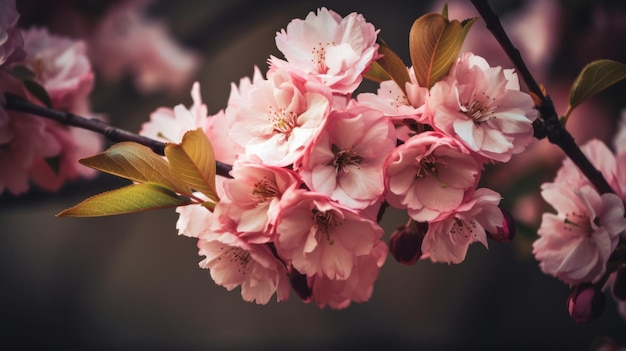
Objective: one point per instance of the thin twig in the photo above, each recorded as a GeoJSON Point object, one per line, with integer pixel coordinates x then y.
{"type": "Point", "coordinates": [113, 134]}
{"type": "Point", "coordinates": [547, 124]}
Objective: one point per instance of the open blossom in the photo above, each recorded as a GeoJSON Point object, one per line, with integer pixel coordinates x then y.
{"type": "Point", "coordinates": [233, 262]}
{"type": "Point", "coordinates": [430, 175]}
{"type": "Point", "coordinates": [251, 198]}
{"type": "Point", "coordinates": [11, 41]}
{"type": "Point", "coordinates": [575, 244]}
{"type": "Point", "coordinates": [279, 118]}
{"type": "Point", "coordinates": [448, 239]}
{"type": "Point", "coordinates": [346, 160]}
{"type": "Point", "coordinates": [320, 237]}
{"type": "Point", "coordinates": [358, 287]}
{"type": "Point", "coordinates": [325, 46]}
{"type": "Point", "coordinates": [483, 107]}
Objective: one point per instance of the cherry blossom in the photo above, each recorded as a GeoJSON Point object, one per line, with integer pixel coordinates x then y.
{"type": "Point", "coordinates": [574, 245]}
{"type": "Point", "coordinates": [483, 107]}
{"type": "Point", "coordinates": [346, 160]}
{"type": "Point", "coordinates": [320, 237]}
{"type": "Point", "coordinates": [448, 239]}
{"type": "Point", "coordinates": [11, 41]}
{"type": "Point", "coordinates": [279, 118]}
{"type": "Point", "coordinates": [334, 50]}
{"type": "Point", "coordinates": [358, 287]}
{"type": "Point", "coordinates": [430, 175]}
{"type": "Point", "coordinates": [251, 198]}
{"type": "Point", "coordinates": [233, 262]}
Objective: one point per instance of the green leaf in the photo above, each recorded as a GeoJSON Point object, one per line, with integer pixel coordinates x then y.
{"type": "Point", "coordinates": [138, 163]}
{"type": "Point", "coordinates": [193, 162]}
{"type": "Point", "coordinates": [594, 77]}
{"type": "Point", "coordinates": [129, 199]}
{"type": "Point", "coordinates": [22, 72]}
{"type": "Point", "coordinates": [38, 91]}
{"type": "Point", "coordinates": [376, 73]}
{"type": "Point", "coordinates": [392, 64]}
{"type": "Point", "coordinates": [434, 45]}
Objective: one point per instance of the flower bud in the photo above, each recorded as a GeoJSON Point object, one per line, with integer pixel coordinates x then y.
{"type": "Point", "coordinates": [299, 284]}
{"type": "Point", "coordinates": [405, 243]}
{"type": "Point", "coordinates": [619, 284]}
{"type": "Point", "coordinates": [585, 303]}
{"type": "Point", "coordinates": [506, 233]}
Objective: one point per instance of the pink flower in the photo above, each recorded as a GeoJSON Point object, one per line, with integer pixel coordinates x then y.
{"type": "Point", "coordinates": [430, 175]}
{"type": "Point", "coordinates": [233, 262]}
{"type": "Point", "coordinates": [334, 50]}
{"type": "Point", "coordinates": [574, 245]}
{"type": "Point", "coordinates": [11, 41]}
{"type": "Point", "coordinates": [358, 287]}
{"type": "Point", "coordinates": [251, 198]}
{"type": "Point", "coordinates": [279, 118]}
{"type": "Point", "coordinates": [448, 239]}
{"type": "Point", "coordinates": [125, 41]}
{"type": "Point", "coordinates": [346, 160]}
{"type": "Point", "coordinates": [483, 107]}
{"type": "Point", "coordinates": [321, 237]}
{"type": "Point", "coordinates": [170, 125]}
{"type": "Point", "coordinates": [61, 66]}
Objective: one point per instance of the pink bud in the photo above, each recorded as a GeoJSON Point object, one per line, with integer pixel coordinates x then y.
{"type": "Point", "coordinates": [619, 285]}
{"type": "Point", "coordinates": [405, 243]}
{"type": "Point", "coordinates": [585, 303]}
{"type": "Point", "coordinates": [506, 232]}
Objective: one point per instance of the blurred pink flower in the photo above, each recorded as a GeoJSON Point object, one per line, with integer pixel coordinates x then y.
{"type": "Point", "coordinates": [126, 41]}
{"type": "Point", "coordinates": [448, 239]}
{"type": "Point", "coordinates": [334, 50]}
{"type": "Point", "coordinates": [279, 118]}
{"type": "Point", "coordinates": [430, 175]}
{"type": "Point", "coordinates": [483, 107]}
{"type": "Point", "coordinates": [574, 245]}
{"type": "Point", "coordinates": [346, 160]}
{"type": "Point", "coordinates": [320, 237]}
{"type": "Point", "coordinates": [11, 41]}
{"type": "Point", "coordinates": [233, 262]}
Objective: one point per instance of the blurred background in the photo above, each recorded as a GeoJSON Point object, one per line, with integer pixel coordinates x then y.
{"type": "Point", "coordinates": [130, 283]}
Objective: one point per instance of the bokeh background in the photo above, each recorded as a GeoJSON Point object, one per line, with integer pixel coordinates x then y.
{"type": "Point", "coordinates": [130, 283]}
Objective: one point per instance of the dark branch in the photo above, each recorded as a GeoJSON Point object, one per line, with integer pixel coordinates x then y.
{"type": "Point", "coordinates": [113, 134]}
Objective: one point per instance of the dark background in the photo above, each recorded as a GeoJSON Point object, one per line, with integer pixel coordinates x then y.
{"type": "Point", "coordinates": [130, 283]}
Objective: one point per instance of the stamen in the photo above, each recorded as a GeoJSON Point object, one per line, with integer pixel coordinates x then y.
{"type": "Point", "coordinates": [324, 221]}
{"type": "Point", "coordinates": [265, 190]}
{"type": "Point", "coordinates": [284, 120]}
{"type": "Point", "coordinates": [344, 158]}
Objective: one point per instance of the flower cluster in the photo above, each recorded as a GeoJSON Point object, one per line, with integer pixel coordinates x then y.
{"type": "Point", "coordinates": [315, 163]}
{"type": "Point", "coordinates": [33, 149]}
{"type": "Point", "coordinates": [577, 242]}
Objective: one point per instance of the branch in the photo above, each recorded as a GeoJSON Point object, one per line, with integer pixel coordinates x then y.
{"type": "Point", "coordinates": [547, 124]}
{"type": "Point", "coordinates": [113, 134]}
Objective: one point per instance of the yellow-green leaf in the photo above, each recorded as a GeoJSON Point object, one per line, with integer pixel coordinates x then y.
{"type": "Point", "coordinates": [434, 45]}
{"type": "Point", "coordinates": [594, 77]}
{"type": "Point", "coordinates": [193, 162]}
{"type": "Point", "coordinates": [138, 163]}
{"type": "Point", "coordinates": [129, 199]}
{"type": "Point", "coordinates": [392, 64]}
{"type": "Point", "coordinates": [376, 73]}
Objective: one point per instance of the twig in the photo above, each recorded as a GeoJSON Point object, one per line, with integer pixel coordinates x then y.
{"type": "Point", "coordinates": [113, 134]}
{"type": "Point", "coordinates": [547, 124]}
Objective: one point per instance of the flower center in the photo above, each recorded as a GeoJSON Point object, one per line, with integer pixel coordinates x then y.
{"type": "Point", "coordinates": [578, 221]}
{"type": "Point", "coordinates": [265, 190]}
{"type": "Point", "coordinates": [479, 111]}
{"type": "Point", "coordinates": [429, 166]}
{"type": "Point", "coordinates": [319, 56]}
{"type": "Point", "coordinates": [324, 221]}
{"type": "Point", "coordinates": [344, 158]}
{"type": "Point", "coordinates": [462, 228]}
{"type": "Point", "coordinates": [236, 255]}
{"type": "Point", "coordinates": [283, 120]}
